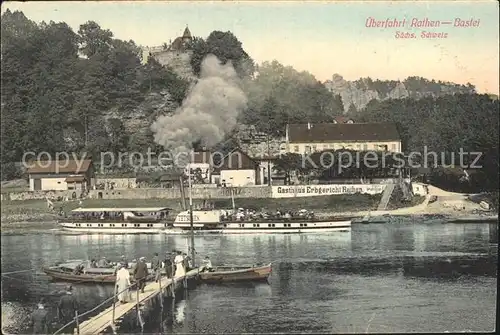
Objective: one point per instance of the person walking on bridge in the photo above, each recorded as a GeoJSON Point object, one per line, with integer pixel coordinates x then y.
{"type": "Point", "coordinates": [141, 273]}
{"type": "Point", "coordinates": [168, 264]}
{"type": "Point", "coordinates": [39, 319]}
{"type": "Point", "coordinates": [180, 270]}
{"type": "Point", "coordinates": [67, 307]}
{"type": "Point", "coordinates": [122, 284]}
{"type": "Point", "coordinates": [156, 266]}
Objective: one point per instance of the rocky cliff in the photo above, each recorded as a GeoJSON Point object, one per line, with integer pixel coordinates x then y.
{"type": "Point", "coordinates": [360, 92]}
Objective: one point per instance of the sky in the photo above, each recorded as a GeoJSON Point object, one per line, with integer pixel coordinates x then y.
{"type": "Point", "coordinates": [322, 38]}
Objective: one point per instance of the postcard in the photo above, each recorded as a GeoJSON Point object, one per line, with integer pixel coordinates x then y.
{"type": "Point", "coordinates": [249, 166]}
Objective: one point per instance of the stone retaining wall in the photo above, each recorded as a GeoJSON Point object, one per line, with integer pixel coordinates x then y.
{"type": "Point", "coordinates": [174, 193]}
{"type": "Point", "coordinates": [39, 195]}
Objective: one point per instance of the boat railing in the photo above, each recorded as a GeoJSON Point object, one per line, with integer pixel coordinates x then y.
{"type": "Point", "coordinates": [78, 317]}
{"type": "Point", "coordinates": [115, 219]}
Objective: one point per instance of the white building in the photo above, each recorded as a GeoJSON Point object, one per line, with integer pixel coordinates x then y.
{"type": "Point", "coordinates": [61, 175]}
{"type": "Point", "coordinates": [238, 169]}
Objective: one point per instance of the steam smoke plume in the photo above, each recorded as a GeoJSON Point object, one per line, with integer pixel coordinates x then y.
{"type": "Point", "coordinates": [207, 114]}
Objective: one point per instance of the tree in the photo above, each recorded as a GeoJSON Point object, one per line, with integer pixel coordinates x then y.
{"type": "Point", "coordinates": [118, 137]}
{"type": "Point", "coordinates": [226, 47]}
{"type": "Point", "coordinates": [446, 125]}
{"type": "Point", "coordinates": [288, 164]}
{"type": "Point", "coordinates": [93, 39]}
{"type": "Point", "coordinates": [279, 95]}
{"type": "Point", "coordinates": [157, 77]}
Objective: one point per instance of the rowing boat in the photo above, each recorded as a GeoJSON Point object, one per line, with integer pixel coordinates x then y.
{"type": "Point", "coordinates": [65, 272]}
{"type": "Point", "coordinates": [226, 274]}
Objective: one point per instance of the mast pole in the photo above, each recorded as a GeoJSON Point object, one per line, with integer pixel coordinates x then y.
{"type": "Point", "coordinates": [191, 216]}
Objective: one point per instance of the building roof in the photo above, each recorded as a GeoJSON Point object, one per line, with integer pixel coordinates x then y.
{"type": "Point", "coordinates": [55, 167]}
{"type": "Point", "coordinates": [187, 33]}
{"type": "Point", "coordinates": [75, 179]}
{"type": "Point", "coordinates": [342, 119]}
{"type": "Point", "coordinates": [355, 132]}
{"type": "Point", "coordinates": [238, 160]}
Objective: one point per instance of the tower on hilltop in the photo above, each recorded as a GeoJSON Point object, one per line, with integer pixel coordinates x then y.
{"type": "Point", "coordinates": [186, 37]}
{"type": "Point", "coordinates": [176, 54]}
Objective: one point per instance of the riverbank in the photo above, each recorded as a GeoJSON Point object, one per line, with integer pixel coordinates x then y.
{"type": "Point", "coordinates": [29, 214]}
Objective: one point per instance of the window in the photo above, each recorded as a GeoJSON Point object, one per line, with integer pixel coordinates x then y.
{"type": "Point", "coordinates": [314, 148]}
{"type": "Point", "coordinates": [269, 225]}
{"type": "Point", "coordinates": [358, 146]}
{"type": "Point", "coordinates": [393, 147]}
{"type": "Point", "coordinates": [296, 148]}
{"type": "Point", "coordinates": [325, 146]}
{"type": "Point", "coordinates": [365, 147]}
{"type": "Point", "coordinates": [308, 149]}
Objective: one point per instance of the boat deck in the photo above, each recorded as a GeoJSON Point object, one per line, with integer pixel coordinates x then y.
{"type": "Point", "coordinates": [103, 320]}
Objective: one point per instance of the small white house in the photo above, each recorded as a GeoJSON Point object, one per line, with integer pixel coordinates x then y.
{"type": "Point", "coordinates": [238, 169]}
{"type": "Point", "coordinates": [61, 175]}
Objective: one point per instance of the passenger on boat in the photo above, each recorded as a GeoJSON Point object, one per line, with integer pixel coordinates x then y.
{"type": "Point", "coordinates": [103, 263]}
{"type": "Point", "coordinates": [78, 269]}
{"type": "Point", "coordinates": [123, 284]}
{"type": "Point", "coordinates": [180, 270]}
{"type": "Point", "coordinates": [207, 263]}
{"type": "Point", "coordinates": [169, 265]}
{"type": "Point", "coordinates": [156, 266]}
{"type": "Point", "coordinates": [39, 319]}
{"type": "Point", "coordinates": [141, 273]}
{"type": "Point", "coordinates": [93, 263]}
{"type": "Point", "coordinates": [67, 307]}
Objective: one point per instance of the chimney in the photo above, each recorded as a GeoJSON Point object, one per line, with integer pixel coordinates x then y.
{"type": "Point", "coordinates": [309, 126]}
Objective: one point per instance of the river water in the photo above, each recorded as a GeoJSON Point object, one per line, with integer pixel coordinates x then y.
{"type": "Point", "coordinates": [403, 277]}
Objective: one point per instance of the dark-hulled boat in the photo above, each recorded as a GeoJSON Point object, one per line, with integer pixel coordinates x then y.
{"type": "Point", "coordinates": [59, 274]}
{"type": "Point", "coordinates": [66, 272]}
{"type": "Point", "coordinates": [227, 274]}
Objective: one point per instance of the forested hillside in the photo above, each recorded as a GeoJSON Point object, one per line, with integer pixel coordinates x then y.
{"type": "Point", "coordinates": [446, 125]}
{"type": "Point", "coordinates": [66, 90]}
{"type": "Point", "coordinates": [76, 91]}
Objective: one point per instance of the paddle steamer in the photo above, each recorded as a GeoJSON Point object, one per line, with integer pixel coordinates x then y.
{"type": "Point", "coordinates": [223, 222]}
{"type": "Point", "coordinates": [138, 220]}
